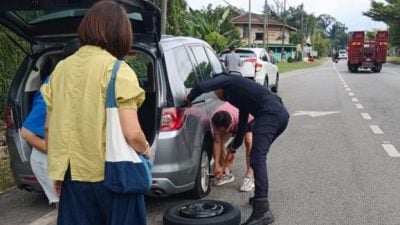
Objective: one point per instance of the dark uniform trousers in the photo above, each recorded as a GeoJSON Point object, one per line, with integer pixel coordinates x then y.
{"type": "Point", "coordinates": [269, 123]}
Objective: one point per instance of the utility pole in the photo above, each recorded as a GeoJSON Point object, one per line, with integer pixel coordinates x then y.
{"type": "Point", "coordinates": [283, 29]}
{"type": "Point", "coordinates": [163, 16]}
{"type": "Point", "coordinates": [249, 23]}
{"type": "Point", "coordinates": [266, 13]}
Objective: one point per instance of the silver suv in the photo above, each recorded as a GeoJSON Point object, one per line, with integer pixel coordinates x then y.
{"type": "Point", "coordinates": [167, 68]}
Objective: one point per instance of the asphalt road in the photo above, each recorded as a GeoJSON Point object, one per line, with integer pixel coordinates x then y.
{"type": "Point", "coordinates": [337, 163]}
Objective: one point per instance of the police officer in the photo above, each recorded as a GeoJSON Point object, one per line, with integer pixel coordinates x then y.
{"type": "Point", "coordinates": [270, 120]}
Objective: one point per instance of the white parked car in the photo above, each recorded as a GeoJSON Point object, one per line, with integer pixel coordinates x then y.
{"type": "Point", "coordinates": [342, 54]}
{"type": "Point", "coordinates": [257, 65]}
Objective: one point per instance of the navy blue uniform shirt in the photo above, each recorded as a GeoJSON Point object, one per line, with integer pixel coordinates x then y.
{"type": "Point", "coordinates": [246, 95]}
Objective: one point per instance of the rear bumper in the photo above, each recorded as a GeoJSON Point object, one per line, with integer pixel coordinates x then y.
{"type": "Point", "coordinates": [174, 171]}
{"type": "Point", "coordinates": [175, 165]}
{"type": "Point", "coordinates": [22, 172]}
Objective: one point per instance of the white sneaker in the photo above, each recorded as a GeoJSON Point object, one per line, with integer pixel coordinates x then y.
{"type": "Point", "coordinates": [224, 179]}
{"type": "Point", "coordinates": [248, 184]}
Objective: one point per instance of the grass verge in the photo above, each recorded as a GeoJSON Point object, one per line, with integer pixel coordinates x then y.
{"type": "Point", "coordinates": [6, 178]}
{"type": "Point", "coordinates": [287, 67]}
{"type": "Point", "coordinates": [394, 59]}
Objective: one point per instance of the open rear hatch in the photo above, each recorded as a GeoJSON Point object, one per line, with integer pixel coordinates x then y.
{"type": "Point", "coordinates": [54, 20]}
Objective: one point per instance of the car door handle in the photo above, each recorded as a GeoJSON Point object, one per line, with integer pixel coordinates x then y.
{"type": "Point", "coordinates": [186, 105]}
{"type": "Point", "coordinates": [198, 102]}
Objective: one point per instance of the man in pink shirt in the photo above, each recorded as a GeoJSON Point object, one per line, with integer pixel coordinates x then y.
{"type": "Point", "coordinates": [224, 125]}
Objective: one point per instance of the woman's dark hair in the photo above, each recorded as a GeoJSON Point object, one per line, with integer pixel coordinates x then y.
{"type": "Point", "coordinates": [222, 119]}
{"type": "Point", "coordinates": [106, 24]}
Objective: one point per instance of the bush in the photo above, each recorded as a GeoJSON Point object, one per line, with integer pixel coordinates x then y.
{"type": "Point", "coordinates": [10, 58]}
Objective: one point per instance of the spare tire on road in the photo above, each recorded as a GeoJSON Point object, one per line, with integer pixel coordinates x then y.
{"type": "Point", "coordinates": [202, 212]}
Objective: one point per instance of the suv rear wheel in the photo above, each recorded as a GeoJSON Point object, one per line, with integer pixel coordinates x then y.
{"type": "Point", "coordinates": [274, 88]}
{"type": "Point", "coordinates": [202, 184]}
{"type": "Point", "coordinates": [266, 81]}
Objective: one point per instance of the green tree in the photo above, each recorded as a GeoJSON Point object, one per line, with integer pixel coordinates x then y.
{"type": "Point", "coordinates": [387, 12]}
{"type": "Point", "coordinates": [296, 17]}
{"type": "Point", "coordinates": [176, 13]}
{"type": "Point", "coordinates": [370, 35]}
{"type": "Point", "coordinates": [10, 58]}
{"type": "Point", "coordinates": [320, 43]}
{"type": "Point", "coordinates": [338, 35]}
{"type": "Point", "coordinates": [213, 25]}
{"type": "Point", "coordinates": [324, 21]}
{"type": "Point", "coordinates": [217, 41]}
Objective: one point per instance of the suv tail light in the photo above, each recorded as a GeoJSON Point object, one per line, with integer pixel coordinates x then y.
{"type": "Point", "coordinates": [258, 67]}
{"type": "Point", "coordinates": [256, 64]}
{"type": "Point", "coordinates": [172, 119]}
{"type": "Point", "coordinates": [9, 117]}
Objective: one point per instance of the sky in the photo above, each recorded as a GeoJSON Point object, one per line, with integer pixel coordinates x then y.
{"type": "Point", "coordinates": [345, 11]}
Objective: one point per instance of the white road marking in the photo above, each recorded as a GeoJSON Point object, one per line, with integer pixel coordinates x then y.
{"type": "Point", "coordinates": [376, 129]}
{"type": "Point", "coordinates": [314, 113]}
{"type": "Point", "coordinates": [366, 116]}
{"type": "Point", "coordinates": [391, 150]}
{"type": "Point", "coordinates": [46, 219]}
{"type": "Point", "coordinates": [359, 106]}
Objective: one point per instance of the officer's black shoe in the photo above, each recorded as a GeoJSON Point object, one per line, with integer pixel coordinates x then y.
{"type": "Point", "coordinates": [261, 214]}
{"type": "Point", "coordinates": [251, 200]}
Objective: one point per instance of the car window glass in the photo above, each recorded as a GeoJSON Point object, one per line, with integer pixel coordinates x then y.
{"type": "Point", "coordinates": [203, 67]}
{"type": "Point", "coordinates": [263, 57]}
{"type": "Point", "coordinates": [215, 63]}
{"type": "Point", "coordinates": [184, 66]}
{"type": "Point", "coordinates": [142, 64]}
{"type": "Point", "coordinates": [245, 53]}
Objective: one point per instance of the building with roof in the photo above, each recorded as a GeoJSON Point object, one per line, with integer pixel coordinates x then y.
{"type": "Point", "coordinates": [273, 36]}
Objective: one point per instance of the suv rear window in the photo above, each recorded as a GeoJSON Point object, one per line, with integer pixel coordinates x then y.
{"type": "Point", "coordinates": [241, 53]}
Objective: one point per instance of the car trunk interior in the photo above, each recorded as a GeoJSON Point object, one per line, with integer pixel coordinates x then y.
{"type": "Point", "coordinates": [142, 64]}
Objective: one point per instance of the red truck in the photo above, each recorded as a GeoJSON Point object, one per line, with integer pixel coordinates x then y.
{"type": "Point", "coordinates": [367, 54]}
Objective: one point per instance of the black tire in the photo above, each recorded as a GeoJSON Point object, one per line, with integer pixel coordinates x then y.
{"type": "Point", "coordinates": [266, 81]}
{"type": "Point", "coordinates": [348, 66]}
{"type": "Point", "coordinates": [378, 68]}
{"type": "Point", "coordinates": [202, 186]}
{"type": "Point", "coordinates": [354, 69]}
{"type": "Point", "coordinates": [229, 216]}
{"type": "Point", "coordinates": [276, 86]}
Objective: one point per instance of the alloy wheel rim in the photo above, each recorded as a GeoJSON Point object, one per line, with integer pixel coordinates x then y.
{"type": "Point", "coordinates": [205, 168]}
